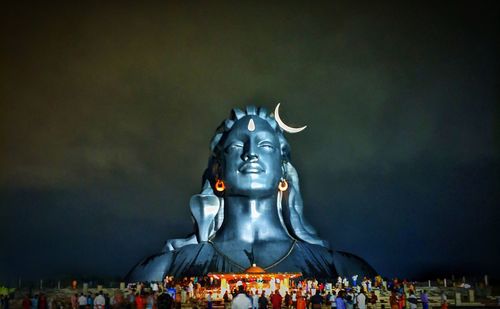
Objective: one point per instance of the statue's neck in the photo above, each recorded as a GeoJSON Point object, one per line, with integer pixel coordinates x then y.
{"type": "Point", "coordinates": [251, 220]}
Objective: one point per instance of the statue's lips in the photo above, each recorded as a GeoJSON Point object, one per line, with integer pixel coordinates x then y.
{"type": "Point", "coordinates": [251, 168]}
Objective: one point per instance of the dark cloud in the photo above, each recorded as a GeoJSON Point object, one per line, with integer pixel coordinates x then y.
{"type": "Point", "coordinates": [106, 113]}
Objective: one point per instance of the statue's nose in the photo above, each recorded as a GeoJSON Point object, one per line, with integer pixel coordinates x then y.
{"type": "Point", "coordinates": [250, 157]}
{"type": "Point", "coordinates": [250, 152]}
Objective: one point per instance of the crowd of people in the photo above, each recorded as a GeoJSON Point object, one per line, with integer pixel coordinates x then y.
{"type": "Point", "coordinates": [41, 301]}
{"type": "Point", "coordinates": [203, 293]}
{"type": "Point", "coordinates": [340, 298]}
{"type": "Point", "coordinates": [302, 294]}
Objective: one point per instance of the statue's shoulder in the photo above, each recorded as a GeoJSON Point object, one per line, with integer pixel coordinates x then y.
{"type": "Point", "coordinates": [202, 258]}
{"type": "Point", "coordinates": [195, 252]}
{"type": "Point", "coordinates": [316, 259]}
{"type": "Point", "coordinates": [151, 268]}
{"type": "Point", "coordinates": [310, 259]}
{"type": "Point", "coordinates": [183, 261]}
{"type": "Point", "coordinates": [348, 265]}
{"type": "Point", "coordinates": [313, 249]}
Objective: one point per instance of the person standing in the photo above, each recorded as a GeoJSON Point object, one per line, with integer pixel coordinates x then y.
{"type": "Point", "coordinates": [190, 289]}
{"type": "Point", "coordinates": [165, 301]}
{"type": "Point", "coordinates": [316, 301]}
{"type": "Point", "coordinates": [393, 300]}
{"type": "Point", "coordinates": [349, 299]}
{"type": "Point", "coordinates": [50, 302]}
{"type": "Point", "coordinates": [401, 300]}
{"type": "Point", "coordinates": [99, 301]}
{"type": "Point", "coordinates": [90, 301]}
{"type": "Point", "coordinates": [372, 303]}
{"type": "Point", "coordinates": [339, 300]}
{"type": "Point", "coordinates": [333, 303]}
{"type": "Point", "coordinates": [444, 301]}
{"type": "Point", "coordinates": [263, 302]}
{"type": "Point", "coordinates": [288, 300]}
{"type": "Point", "coordinates": [107, 301]}
{"type": "Point", "coordinates": [26, 302]}
{"type": "Point", "coordinates": [209, 300]}
{"type": "Point", "coordinates": [6, 301]}
{"type": "Point", "coordinates": [412, 300]}
{"type": "Point", "coordinates": [82, 301]}
{"type": "Point", "coordinates": [34, 302]}
{"type": "Point", "coordinates": [276, 300]}
{"type": "Point", "coordinates": [178, 296]}
{"type": "Point", "coordinates": [225, 299]}
{"type": "Point", "coordinates": [361, 300]}
{"type": "Point", "coordinates": [150, 301]}
{"type": "Point", "coordinates": [154, 287]}
{"type": "Point", "coordinates": [301, 301]}
{"type": "Point", "coordinates": [42, 302]}
{"type": "Point", "coordinates": [241, 301]}
{"type": "Point", "coordinates": [424, 298]}
{"type": "Point", "coordinates": [139, 301]}
{"type": "Point", "coordinates": [255, 300]}
{"type": "Point", "coordinates": [74, 301]}
{"type": "Point", "coordinates": [184, 295]}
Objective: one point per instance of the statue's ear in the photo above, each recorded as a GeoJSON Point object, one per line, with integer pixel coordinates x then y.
{"type": "Point", "coordinates": [284, 147]}
{"type": "Point", "coordinates": [284, 169]}
{"type": "Point", "coordinates": [215, 168]}
{"type": "Point", "coordinates": [220, 169]}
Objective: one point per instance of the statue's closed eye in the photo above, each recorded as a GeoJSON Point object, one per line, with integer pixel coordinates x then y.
{"type": "Point", "coordinates": [266, 145]}
{"type": "Point", "coordinates": [234, 147]}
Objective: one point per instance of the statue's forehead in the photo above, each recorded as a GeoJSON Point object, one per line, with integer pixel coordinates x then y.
{"type": "Point", "coordinates": [252, 125]}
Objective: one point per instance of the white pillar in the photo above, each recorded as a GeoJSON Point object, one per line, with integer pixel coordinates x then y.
{"type": "Point", "coordinates": [444, 282]}
{"type": "Point", "coordinates": [429, 283]}
{"type": "Point", "coordinates": [486, 280]}
{"type": "Point", "coordinates": [471, 296]}
{"type": "Point", "coordinates": [458, 299]}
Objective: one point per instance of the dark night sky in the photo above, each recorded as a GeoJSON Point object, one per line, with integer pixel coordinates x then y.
{"type": "Point", "coordinates": [107, 110]}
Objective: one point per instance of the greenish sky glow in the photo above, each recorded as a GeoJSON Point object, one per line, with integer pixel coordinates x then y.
{"type": "Point", "coordinates": [106, 114]}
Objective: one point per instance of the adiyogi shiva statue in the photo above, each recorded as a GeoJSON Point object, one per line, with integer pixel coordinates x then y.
{"type": "Point", "coordinates": [250, 211]}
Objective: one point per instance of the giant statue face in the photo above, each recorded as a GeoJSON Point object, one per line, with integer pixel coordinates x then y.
{"type": "Point", "coordinates": [251, 158]}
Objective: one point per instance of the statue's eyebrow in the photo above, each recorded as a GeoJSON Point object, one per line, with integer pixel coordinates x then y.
{"type": "Point", "coordinates": [233, 139]}
{"type": "Point", "coordinates": [265, 140]}
{"type": "Point", "coordinates": [268, 137]}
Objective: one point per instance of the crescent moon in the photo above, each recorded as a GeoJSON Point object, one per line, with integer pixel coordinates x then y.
{"type": "Point", "coordinates": [282, 124]}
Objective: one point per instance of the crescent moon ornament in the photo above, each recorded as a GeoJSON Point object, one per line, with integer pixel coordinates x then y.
{"type": "Point", "coordinates": [282, 124]}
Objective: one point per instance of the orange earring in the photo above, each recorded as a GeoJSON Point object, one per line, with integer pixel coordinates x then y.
{"type": "Point", "coordinates": [219, 185]}
{"type": "Point", "coordinates": [283, 185]}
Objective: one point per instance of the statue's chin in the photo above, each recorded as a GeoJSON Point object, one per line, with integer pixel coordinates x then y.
{"type": "Point", "coordinates": [251, 192]}
{"type": "Point", "coordinates": [257, 187]}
